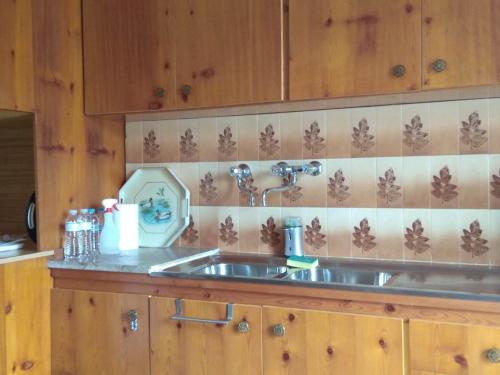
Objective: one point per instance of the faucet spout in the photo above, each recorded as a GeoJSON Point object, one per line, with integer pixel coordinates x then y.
{"type": "Point", "coordinates": [292, 181]}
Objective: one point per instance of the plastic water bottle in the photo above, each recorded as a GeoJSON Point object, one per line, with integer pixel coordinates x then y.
{"type": "Point", "coordinates": [72, 228]}
{"type": "Point", "coordinates": [95, 233]}
{"type": "Point", "coordinates": [84, 245]}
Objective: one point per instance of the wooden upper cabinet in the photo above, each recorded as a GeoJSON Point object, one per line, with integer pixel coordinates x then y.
{"type": "Point", "coordinates": [228, 52]}
{"type": "Point", "coordinates": [93, 333]}
{"type": "Point", "coordinates": [195, 348]}
{"type": "Point", "coordinates": [461, 40]}
{"type": "Point", "coordinates": [345, 47]}
{"type": "Point", "coordinates": [16, 56]}
{"type": "Point", "coordinates": [453, 349]}
{"type": "Point", "coordinates": [298, 342]}
{"type": "Point", "coordinates": [129, 55]}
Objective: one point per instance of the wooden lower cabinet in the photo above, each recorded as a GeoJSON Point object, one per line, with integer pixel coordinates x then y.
{"type": "Point", "coordinates": [193, 348]}
{"type": "Point", "coordinates": [92, 333]}
{"type": "Point", "coordinates": [453, 349]}
{"type": "Point", "coordinates": [312, 342]}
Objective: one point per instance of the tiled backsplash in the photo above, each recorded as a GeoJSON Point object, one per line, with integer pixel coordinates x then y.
{"type": "Point", "coordinates": [415, 182]}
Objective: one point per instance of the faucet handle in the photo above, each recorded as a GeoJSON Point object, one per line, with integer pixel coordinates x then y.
{"type": "Point", "coordinates": [313, 168]}
{"type": "Point", "coordinates": [281, 169]}
{"type": "Point", "coordinates": [240, 171]}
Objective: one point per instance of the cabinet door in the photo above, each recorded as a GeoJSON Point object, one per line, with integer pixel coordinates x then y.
{"type": "Point", "coordinates": [92, 333]}
{"type": "Point", "coordinates": [193, 348]}
{"type": "Point", "coordinates": [129, 55]}
{"type": "Point", "coordinates": [311, 342]}
{"type": "Point", "coordinates": [460, 43]}
{"type": "Point", "coordinates": [16, 56]}
{"type": "Point", "coordinates": [453, 349]}
{"type": "Point", "coordinates": [228, 52]}
{"type": "Point", "coordinates": [344, 47]}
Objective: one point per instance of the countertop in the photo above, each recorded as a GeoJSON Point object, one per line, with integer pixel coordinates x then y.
{"type": "Point", "coordinates": [18, 255]}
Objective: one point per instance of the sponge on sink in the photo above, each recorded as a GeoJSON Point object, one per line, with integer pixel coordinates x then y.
{"type": "Point", "coordinates": [302, 262]}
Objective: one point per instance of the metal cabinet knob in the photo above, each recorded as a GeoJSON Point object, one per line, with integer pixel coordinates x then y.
{"type": "Point", "coordinates": [439, 65]}
{"type": "Point", "coordinates": [133, 317]}
{"type": "Point", "coordinates": [493, 355]}
{"type": "Point", "coordinates": [243, 326]}
{"type": "Point", "coordinates": [398, 70]}
{"type": "Point", "coordinates": [279, 330]}
{"type": "Point", "coordinates": [186, 90]}
{"type": "Point", "coordinates": [159, 92]}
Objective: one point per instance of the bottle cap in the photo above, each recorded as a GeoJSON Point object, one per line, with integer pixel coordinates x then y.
{"type": "Point", "coordinates": [91, 211]}
{"type": "Point", "coordinates": [73, 211]}
{"type": "Point", "coordinates": [84, 211]}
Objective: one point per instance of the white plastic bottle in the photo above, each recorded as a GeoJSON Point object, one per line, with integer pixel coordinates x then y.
{"type": "Point", "coordinates": [72, 228]}
{"type": "Point", "coordinates": [109, 234]}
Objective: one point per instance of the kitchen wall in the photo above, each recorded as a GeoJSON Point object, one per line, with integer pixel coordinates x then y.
{"type": "Point", "coordinates": [418, 182]}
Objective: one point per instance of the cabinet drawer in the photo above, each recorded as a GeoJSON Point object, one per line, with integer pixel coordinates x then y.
{"type": "Point", "coordinates": [453, 349]}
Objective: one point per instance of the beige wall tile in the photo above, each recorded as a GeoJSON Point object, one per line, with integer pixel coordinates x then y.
{"type": "Point", "coordinates": [444, 124]}
{"type": "Point", "coordinates": [494, 237]}
{"type": "Point", "coordinates": [228, 229]}
{"type": "Point", "coordinates": [130, 168]}
{"type": "Point", "coordinates": [207, 139]}
{"type": "Point", "coordinates": [446, 193]}
{"type": "Point", "coordinates": [338, 133]}
{"type": "Point", "coordinates": [227, 138]}
{"type": "Point", "coordinates": [364, 185]}
{"type": "Point", "coordinates": [209, 217]}
{"type": "Point", "coordinates": [189, 142]}
{"type": "Point", "coordinates": [264, 180]}
{"type": "Point", "coordinates": [416, 182]}
{"type": "Point", "coordinates": [445, 244]}
{"type": "Point", "coordinates": [338, 179]}
{"type": "Point", "coordinates": [189, 174]}
{"type": "Point", "coordinates": [133, 142]}
{"type": "Point", "coordinates": [248, 137]}
{"type": "Point", "coordinates": [473, 181]}
{"type": "Point", "coordinates": [151, 142]}
{"type": "Point", "coordinates": [365, 244]}
{"type": "Point", "coordinates": [314, 187]}
{"type": "Point", "coordinates": [389, 182]}
{"type": "Point", "coordinates": [296, 196]}
{"type": "Point", "coordinates": [339, 232]}
{"type": "Point", "coordinates": [208, 184]}
{"type": "Point", "coordinates": [416, 129]}
{"type": "Point", "coordinates": [169, 140]}
{"type": "Point", "coordinates": [494, 133]}
{"type": "Point", "coordinates": [494, 181]}
{"type": "Point", "coordinates": [191, 235]}
{"type": "Point", "coordinates": [249, 230]}
{"type": "Point", "coordinates": [389, 136]}
{"type": "Point", "coordinates": [473, 141]}
{"type": "Point", "coordinates": [315, 224]}
{"type": "Point", "coordinates": [417, 244]}
{"type": "Point", "coordinates": [314, 134]}
{"type": "Point", "coordinates": [389, 238]}
{"type": "Point", "coordinates": [226, 185]}
{"type": "Point", "coordinates": [363, 131]}
{"type": "Point", "coordinates": [270, 230]}
{"type": "Point", "coordinates": [269, 137]}
{"type": "Point", "coordinates": [291, 135]}
{"type": "Point", "coordinates": [472, 236]}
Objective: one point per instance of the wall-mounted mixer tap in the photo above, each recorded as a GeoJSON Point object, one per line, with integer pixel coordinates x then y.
{"type": "Point", "coordinates": [289, 173]}
{"type": "Point", "coordinates": [243, 176]}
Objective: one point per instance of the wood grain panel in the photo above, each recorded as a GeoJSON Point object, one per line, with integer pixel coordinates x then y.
{"type": "Point", "coordinates": [91, 334]}
{"type": "Point", "coordinates": [330, 343]}
{"type": "Point", "coordinates": [79, 160]}
{"type": "Point", "coordinates": [17, 171]}
{"type": "Point", "coordinates": [466, 34]}
{"type": "Point", "coordinates": [190, 348]}
{"type": "Point", "coordinates": [345, 48]}
{"type": "Point", "coordinates": [16, 55]}
{"type": "Point", "coordinates": [452, 349]}
{"type": "Point", "coordinates": [229, 52]}
{"type": "Point", "coordinates": [25, 319]}
{"type": "Point", "coordinates": [129, 51]}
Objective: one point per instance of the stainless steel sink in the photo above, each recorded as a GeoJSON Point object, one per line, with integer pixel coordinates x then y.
{"type": "Point", "coordinates": [241, 270]}
{"type": "Point", "coordinates": [342, 276]}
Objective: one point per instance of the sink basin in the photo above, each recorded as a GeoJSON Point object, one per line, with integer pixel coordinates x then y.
{"type": "Point", "coordinates": [342, 276]}
{"type": "Point", "coordinates": [241, 270]}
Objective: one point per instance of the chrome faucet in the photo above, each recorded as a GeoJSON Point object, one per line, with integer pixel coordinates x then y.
{"type": "Point", "coordinates": [243, 175]}
{"type": "Point", "coordinates": [290, 173]}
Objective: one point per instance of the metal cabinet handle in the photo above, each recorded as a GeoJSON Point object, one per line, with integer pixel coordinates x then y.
{"type": "Point", "coordinates": [243, 326]}
{"type": "Point", "coordinates": [159, 92]}
{"type": "Point", "coordinates": [439, 65]}
{"type": "Point", "coordinates": [279, 330]}
{"type": "Point", "coordinates": [133, 317]}
{"type": "Point", "coordinates": [493, 355]}
{"type": "Point", "coordinates": [178, 315]}
{"type": "Point", "coordinates": [186, 90]}
{"type": "Point", "coordinates": [398, 70]}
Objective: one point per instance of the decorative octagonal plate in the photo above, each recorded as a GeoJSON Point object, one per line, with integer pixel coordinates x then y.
{"type": "Point", "coordinates": [163, 205]}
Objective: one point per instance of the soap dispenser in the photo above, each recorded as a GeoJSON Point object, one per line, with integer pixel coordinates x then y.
{"type": "Point", "coordinates": [292, 232]}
